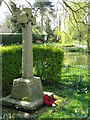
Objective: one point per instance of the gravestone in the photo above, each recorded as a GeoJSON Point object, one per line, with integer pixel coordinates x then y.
{"type": "Point", "coordinates": [27, 91]}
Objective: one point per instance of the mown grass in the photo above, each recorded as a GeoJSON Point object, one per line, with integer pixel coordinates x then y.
{"type": "Point", "coordinates": [69, 73]}
{"type": "Point", "coordinates": [70, 102]}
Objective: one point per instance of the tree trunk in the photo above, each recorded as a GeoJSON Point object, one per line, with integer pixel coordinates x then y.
{"type": "Point", "coordinates": [42, 15]}
{"type": "Point", "coordinates": [1, 2]}
{"type": "Point", "coordinates": [88, 38]}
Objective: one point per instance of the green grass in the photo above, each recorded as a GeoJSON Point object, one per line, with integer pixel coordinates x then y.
{"type": "Point", "coordinates": [72, 104]}
{"type": "Point", "coordinates": [69, 73]}
{"type": "Point", "coordinates": [77, 103]}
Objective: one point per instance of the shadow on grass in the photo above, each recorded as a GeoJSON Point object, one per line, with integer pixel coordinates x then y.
{"type": "Point", "coordinates": [76, 107]}
{"type": "Point", "coordinates": [67, 92]}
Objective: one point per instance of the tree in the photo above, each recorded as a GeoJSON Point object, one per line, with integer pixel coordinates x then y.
{"type": "Point", "coordinates": [48, 29]}
{"type": "Point", "coordinates": [43, 8]}
{"type": "Point", "coordinates": [1, 2]}
{"type": "Point", "coordinates": [81, 5]}
{"type": "Point", "coordinates": [88, 39]}
{"type": "Point", "coordinates": [12, 20]}
{"type": "Point", "coordinates": [16, 27]}
{"type": "Point", "coordinates": [58, 34]}
{"type": "Point", "coordinates": [77, 31]}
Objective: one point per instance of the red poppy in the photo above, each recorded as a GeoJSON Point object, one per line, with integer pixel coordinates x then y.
{"type": "Point", "coordinates": [48, 100]}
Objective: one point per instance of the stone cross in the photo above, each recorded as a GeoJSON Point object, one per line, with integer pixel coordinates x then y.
{"type": "Point", "coordinates": [27, 92]}
{"type": "Point", "coordinates": [26, 19]}
{"type": "Point", "coordinates": [28, 87]}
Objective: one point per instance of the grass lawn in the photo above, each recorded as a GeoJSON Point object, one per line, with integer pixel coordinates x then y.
{"type": "Point", "coordinates": [72, 100]}
{"type": "Point", "coordinates": [71, 94]}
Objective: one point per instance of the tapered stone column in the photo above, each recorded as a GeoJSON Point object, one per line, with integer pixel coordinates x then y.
{"type": "Point", "coordinates": [27, 51]}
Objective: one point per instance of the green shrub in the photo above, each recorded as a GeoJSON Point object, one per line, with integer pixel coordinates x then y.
{"type": "Point", "coordinates": [37, 37]}
{"type": "Point", "coordinates": [47, 62]}
{"type": "Point", "coordinates": [77, 49]}
{"type": "Point", "coordinates": [11, 63]}
{"type": "Point", "coordinates": [11, 38]}
{"type": "Point", "coordinates": [16, 38]}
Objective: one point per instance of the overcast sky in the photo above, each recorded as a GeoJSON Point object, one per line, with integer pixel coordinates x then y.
{"type": "Point", "coordinates": [4, 10]}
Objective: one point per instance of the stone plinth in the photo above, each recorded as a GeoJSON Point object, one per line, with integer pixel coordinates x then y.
{"type": "Point", "coordinates": [27, 89]}
{"type": "Point", "coordinates": [26, 95]}
{"type": "Point", "coordinates": [24, 105]}
{"type": "Point", "coordinates": [21, 104]}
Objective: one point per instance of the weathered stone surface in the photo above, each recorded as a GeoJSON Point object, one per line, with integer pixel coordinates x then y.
{"type": "Point", "coordinates": [21, 105]}
{"type": "Point", "coordinates": [23, 17]}
{"type": "Point", "coordinates": [27, 52]}
{"type": "Point", "coordinates": [26, 19]}
{"type": "Point", "coordinates": [27, 89]}
{"type": "Point", "coordinates": [24, 105]}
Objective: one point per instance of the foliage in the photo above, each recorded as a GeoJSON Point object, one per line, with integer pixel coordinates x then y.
{"type": "Point", "coordinates": [11, 38]}
{"type": "Point", "coordinates": [16, 38]}
{"type": "Point", "coordinates": [75, 33]}
{"type": "Point", "coordinates": [12, 20]}
{"type": "Point", "coordinates": [47, 62]}
{"type": "Point", "coordinates": [79, 85]}
{"type": "Point", "coordinates": [76, 22]}
{"type": "Point", "coordinates": [44, 8]}
{"type": "Point", "coordinates": [81, 113]}
{"type": "Point", "coordinates": [48, 29]}
{"type": "Point", "coordinates": [36, 34]}
{"type": "Point", "coordinates": [70, 104]}
{"type": "Point", "coordinates": [58, 34]}
{"type": "Point", "coordinates": [77, 49]}
{"type": "Point", "coordinates": [11, 63]}
{"type": "Point", "coordinates": [74, 72]}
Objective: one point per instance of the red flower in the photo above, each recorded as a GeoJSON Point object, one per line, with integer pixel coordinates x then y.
{"type": "Point", "coordinates": [48, 100]}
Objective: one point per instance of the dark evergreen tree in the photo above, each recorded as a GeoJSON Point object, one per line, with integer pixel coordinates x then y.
{"type": "Point", "coordinates": [16, 27]}
{"type": "Point", "coordinates": [48, 29]}
{"type": "Point", "coordinates": [43, 8]}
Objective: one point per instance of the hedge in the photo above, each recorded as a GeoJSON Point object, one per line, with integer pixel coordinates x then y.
{"type": "Point", "coordinates": [37, 37]}
{"type": "Point", "coordinates": [11, 38]}
{"type": "Point", "coordinates": [77, 49]}
{"type": "Point", "coordinates": [11, 63]}
{"type": "Point", "coordinates": [16, 38]}
{"type": "Point", "coordinates": [47, 62]}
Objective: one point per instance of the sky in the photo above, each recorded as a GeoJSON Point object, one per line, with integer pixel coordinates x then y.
{"type": "Point", "coordinates": [4, 10]}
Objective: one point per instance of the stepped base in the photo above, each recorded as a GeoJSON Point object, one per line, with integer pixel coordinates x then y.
{"type": "Point", "coordinates": [22, 105]}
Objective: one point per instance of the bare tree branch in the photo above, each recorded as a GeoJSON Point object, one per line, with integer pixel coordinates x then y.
{"type": "Point", "coordinates": [75, 11]}
{"type": "Point", "coordinates": [66, 34]}
{"type": "Point", "coordinates": [68, 13]}
{"type": "Point", "coordinates": [29, 3]}
{"type": "Point", "coordinates": [63, 6]}
{"type": "Point", "coordinates": [8, 6]}
{"type": "Point", "coordinates": [1, 2]}
{"type": "Point", "coordinates": [80, 7]}
{"type": "Point", "coordinates": [68, 6]}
